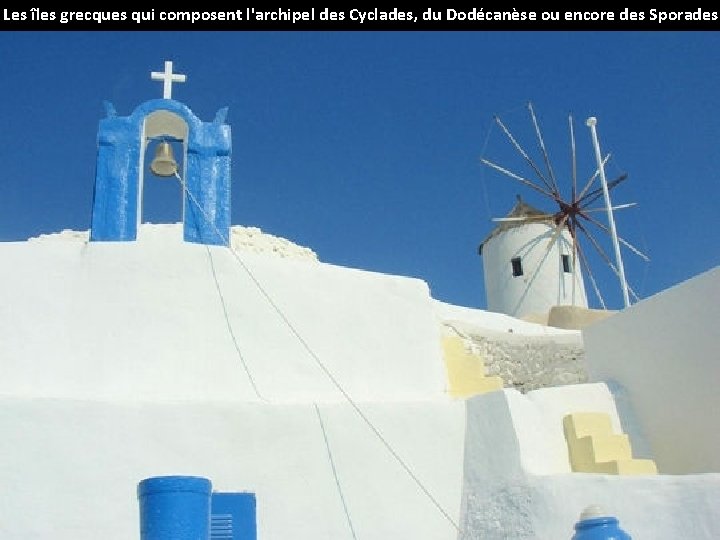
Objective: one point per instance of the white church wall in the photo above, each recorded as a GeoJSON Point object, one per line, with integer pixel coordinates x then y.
{"type": "Point", "coordinates": [146, 320]}
{"type": "Point", "coordinates": [131, 372]}
{"type": "Point", "coordinates": [543, 283]}
{"type": "Point", "coordinates": [662, 355]}
{"type": "Point", "coordinates": [70, 468]}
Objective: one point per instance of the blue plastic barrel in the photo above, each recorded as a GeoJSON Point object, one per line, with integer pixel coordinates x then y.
{"type": "Point", "coordinates": [592, 526]}
{"type": "Point", "coordinates": [174, 508]}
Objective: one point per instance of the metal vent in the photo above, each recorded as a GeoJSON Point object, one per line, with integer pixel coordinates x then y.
{"type": "Point", "coordinates": [232, 516]}
{"type": "Point", "coordinates": [221, 527]}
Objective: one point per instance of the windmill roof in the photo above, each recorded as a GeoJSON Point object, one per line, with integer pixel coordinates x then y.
{"type": "Point", "coordinates": [521, 209]}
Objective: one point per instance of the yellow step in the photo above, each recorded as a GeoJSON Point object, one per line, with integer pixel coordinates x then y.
{"type": "Point", "coordinates": [598, 449]}
{"type": "Point", "coordinates": [594, 448]}
{"type": "Point", "coordinates": [626, 467]}
{"type": "Point", "coordinates": [584, 424]}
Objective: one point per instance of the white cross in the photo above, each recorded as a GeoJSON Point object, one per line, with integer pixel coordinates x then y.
{"type": "Point", "coordinates": [167, 77]}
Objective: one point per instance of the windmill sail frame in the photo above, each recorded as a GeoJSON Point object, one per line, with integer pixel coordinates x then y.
{"type": "Point", "coordinates": [574, 213]}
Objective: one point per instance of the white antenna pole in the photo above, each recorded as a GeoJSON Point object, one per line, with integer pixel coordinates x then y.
{"type": "Point", "coordinates": [591, 122]}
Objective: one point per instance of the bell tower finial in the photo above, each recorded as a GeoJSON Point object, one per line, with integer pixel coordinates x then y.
{"type": "Point", "coordinates": [168, 78]}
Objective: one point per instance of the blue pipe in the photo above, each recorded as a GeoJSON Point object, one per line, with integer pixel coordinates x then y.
{"type": "Point", "coordinates": [599, 528]}
{"type": "Point", "coordinates": [174, 508]}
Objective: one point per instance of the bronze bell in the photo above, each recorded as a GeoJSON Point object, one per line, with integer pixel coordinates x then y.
{"type": "Point", "coordinates": [164, 163]}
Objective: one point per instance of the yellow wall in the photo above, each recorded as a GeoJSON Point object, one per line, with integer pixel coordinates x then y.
{"type": "Point", "coordinates": [466, 371]}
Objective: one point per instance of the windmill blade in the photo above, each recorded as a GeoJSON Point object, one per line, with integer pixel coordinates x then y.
{"type": "Point", "coordinates": [636, 298]}
{"type": "Point", "coordinates": [546, 157]}
{"type": "Point", "coordinates": [573, 157]}
{"type": "Point", "coordinates": [556, 233]}
{"type": "Point", "coordinates": [624, 242]}
{"type": "Point", "coordinates": [516, 177]}
{"type": "Point", "coordinates": [553, 238]}
{"type": "Point", "coordinates": [618, 207]}
{"type": "Point", "coordinates": [596, 245]}
{"type": "Point", "coordinates": [523, 153]}
{"type": "Point", "coordinates": [598, 192]}
{"type": "Point", "coordinates": [573, 234]}
{"type": "Point", "coordinates": [592, 179]}
{"type": "Point", "coordinates": [584, 264]}
{"type": "Point", "coordinates": [604, 256]}
{"type": "Point", "coordinates": [539, 217]}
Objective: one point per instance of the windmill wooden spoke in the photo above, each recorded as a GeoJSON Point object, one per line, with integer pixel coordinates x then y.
{"type": "Point", "coordinates": [546, 157]}
{"type": "Point", "coordinates": [573, 234]}
{"type": "Point", "coordinates": [578, 212]}
{"type": "Point", "coordinates": [592, 179]}
{"type": "Point", "coordinates": [524, 219]}
{"type": "Point", "coordinates": [584, 264]}
{"type": "Point", "coordinates": [624, 242]}
{"type": "Point", "coordinates": [553, 238]}
{"type": "Point", "coordinates": [516, 177]}
{"type": "Point", "coordinates": [598, 192]}
{"type": "Point", "coordinates": [524, 154]}
{"type": "Point", "coordinates": [556, 233]}
{"type": "Point", "coordinates": [573, 156]}
{"type": "Point", "coordinates": [636, 298]}
{"type": "Point", "coordinates": [618, 207]}
{"type": "Point", "coordinates": [596, 245]}
{"type": "Point", "coordinates": [604, 255]}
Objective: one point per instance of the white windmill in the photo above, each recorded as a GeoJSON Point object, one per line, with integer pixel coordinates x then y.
{"type": "Point", "coordinates": [534, 260]}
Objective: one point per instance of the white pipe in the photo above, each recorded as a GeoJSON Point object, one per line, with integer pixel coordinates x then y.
{"type": "Point", "coordinates": [591, 122]}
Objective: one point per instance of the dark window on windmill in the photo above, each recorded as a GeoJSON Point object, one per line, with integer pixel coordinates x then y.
{"type": "Point", "coordinates": [516, 266]}
{"type": "Point", "coordinates": [566, 264]}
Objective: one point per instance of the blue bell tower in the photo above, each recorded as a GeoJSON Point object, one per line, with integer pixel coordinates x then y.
{"type": "Point", "coordinates": [204, 170]}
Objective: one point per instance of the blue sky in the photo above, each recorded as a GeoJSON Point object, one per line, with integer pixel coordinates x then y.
{"type": "Point", "coordinates": [366, 146]}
